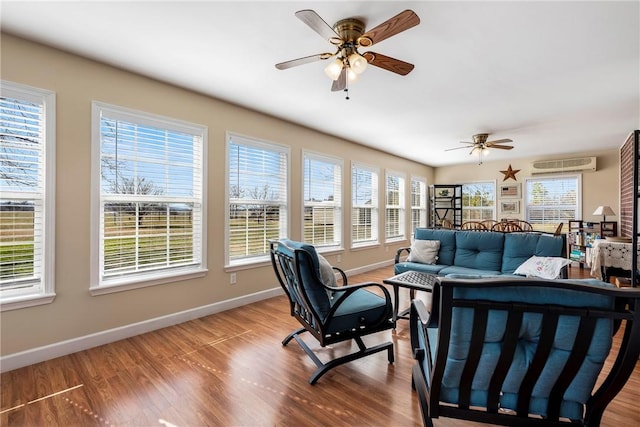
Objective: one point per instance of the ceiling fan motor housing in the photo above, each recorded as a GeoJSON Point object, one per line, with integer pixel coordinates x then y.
{"type": "Point", "coordinates": [349, 29]}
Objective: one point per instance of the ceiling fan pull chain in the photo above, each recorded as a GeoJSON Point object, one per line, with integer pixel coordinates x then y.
{"type": "Point", "coordinates": [346, 88]}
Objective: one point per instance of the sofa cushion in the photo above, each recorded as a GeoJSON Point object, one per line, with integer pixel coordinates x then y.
{"type": "Point", "coordinates": [457, 271]}
{"type": "Point", "coordinates": [479, 250]}
{"type": "Point", "coordinates": [447, 240]}
{"type": "Point", "coordinates": [549, 245]}
{"type": "Point", "coordinates": [579, 391]}
{"type": "Point", "coordinates": [518, 247]}
{"type": "Point", "coordinates": [401, 267]}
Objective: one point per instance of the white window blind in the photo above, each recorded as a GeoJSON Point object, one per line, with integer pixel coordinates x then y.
{"type": "Point", "coordinates": [257, 198]}
{"type": "Point", "coordinates": [27, 150]}
{"type": "Point", "coordinates": [364, 205]}
{"type": "Point", "coordinates": [151, 172]}
{"type": "Point", "coordinates": [395, 208]}
{"type": "Point", "coordinates": [322, 217]}
{"type": "Point", "coordinates": [478, 201]}
{"type": "Point", "coordinates": [418, 204]}
{"type": "Point", "coordinates": [552, 200]}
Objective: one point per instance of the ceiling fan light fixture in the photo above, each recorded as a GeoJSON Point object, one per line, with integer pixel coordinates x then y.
{"type": "Point", "coordinates": [357, 63]}
{"type": "Point", "coordinates": [334, 69]}
{"type": "Point", "coordinates": [352, 76]}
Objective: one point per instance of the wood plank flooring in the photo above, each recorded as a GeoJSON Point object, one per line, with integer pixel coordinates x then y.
{"type": "Point", "coordinates": [230, 369]}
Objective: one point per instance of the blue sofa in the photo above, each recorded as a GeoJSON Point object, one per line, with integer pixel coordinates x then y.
{"type": "Point", "coordinates": [482, 253]}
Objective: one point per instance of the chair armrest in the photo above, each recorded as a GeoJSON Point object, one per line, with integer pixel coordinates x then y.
{"type": "Point", "coordinates": [399, 253]}
{"type": "Point", "coordinates": [343, 276]}
{"type": "Point", "coordinates": [346, 291]}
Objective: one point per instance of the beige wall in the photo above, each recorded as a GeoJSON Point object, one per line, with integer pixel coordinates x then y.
{"type": "Point", "coordinates": [598, 188]}
{"type": "Point", "coordinates": [77, 82]}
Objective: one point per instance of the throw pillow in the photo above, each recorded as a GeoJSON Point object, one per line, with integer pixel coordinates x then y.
{"type": "Point", "coordinates": [545, 267]}
{"type": "Point", "coordinates": [424, 251]}
{"type": "Point", "coordinates": [327, 275]}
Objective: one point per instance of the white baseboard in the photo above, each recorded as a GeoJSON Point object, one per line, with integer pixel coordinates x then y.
{"type": "Point", "coordinates": [368, 268]}
{"type": "Point", "coordinates": [62, 348]}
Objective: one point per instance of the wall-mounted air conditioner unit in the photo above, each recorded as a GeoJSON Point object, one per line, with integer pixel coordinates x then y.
{"type": "Point", "coordinates": [581, 164]}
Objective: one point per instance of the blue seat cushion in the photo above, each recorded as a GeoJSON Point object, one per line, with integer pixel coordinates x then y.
{"type": "Point", "coordinates": [479, 250]}
{"type": "Point", "coordinates": [519, 247]}
{"type": "Point", "coordinates": [360, 308]}
{"type": "Point", "coordinates": [465, 271]}
{"type": "Point", "coordinates": [401, 267]}
{"type": "Point", "coordinates": [578, 392]}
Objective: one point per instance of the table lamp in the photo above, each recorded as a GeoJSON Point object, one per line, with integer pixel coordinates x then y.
{"type": "Point", "coordinates": [604, 211]}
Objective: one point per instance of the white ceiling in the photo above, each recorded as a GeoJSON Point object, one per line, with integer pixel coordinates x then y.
{"type": "Point", "coordinates": [556, 77]}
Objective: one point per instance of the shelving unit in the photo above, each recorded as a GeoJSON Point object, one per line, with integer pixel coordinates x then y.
{"type": "Point", "coordinates": [635, 135]}
{"type": "Point", "coordinates": [446, 203]}
{"type": "Point", "coordinates": [581, 235]}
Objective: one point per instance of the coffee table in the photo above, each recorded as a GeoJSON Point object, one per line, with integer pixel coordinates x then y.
{"type": "Point", "coordinates": [412, 280]}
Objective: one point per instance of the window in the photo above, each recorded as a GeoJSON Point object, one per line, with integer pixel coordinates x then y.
{"type": "Point", "coordinates": [478, 201]}
{"type": "Point", "coordinates": [257, 176]}
{"type": "Point", "coordinates": [27, 174]}
{"type": "Point", "coordinates": [322, 217]}
{"type": "Point", "coordinates": [364, 205]}
{"type": "Point", "coordinates": [395, 211]}
{"type": "Point", "coordinates": [552, 200]}
{"type": "Point", "coordinates": [418, 204]}
{"type": "Point", "coordinates": [148, 204]}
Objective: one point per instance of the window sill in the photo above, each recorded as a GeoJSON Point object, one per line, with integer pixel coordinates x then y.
{"type": "Point", "coordinates": [25, 301]}
{"type": "Point", "coordinates": [361, 246]}
{"type": "Point", "coordinates": [145, 282]}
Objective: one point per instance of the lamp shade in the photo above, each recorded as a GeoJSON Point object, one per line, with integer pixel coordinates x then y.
{"type": "Point", "coordinates": [604, 210]}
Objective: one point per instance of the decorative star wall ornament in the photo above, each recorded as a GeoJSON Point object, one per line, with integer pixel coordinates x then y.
{"type": "Point", "coordinates": [510, 173]}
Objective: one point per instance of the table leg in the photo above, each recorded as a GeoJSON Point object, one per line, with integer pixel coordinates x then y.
{"type": "Point", "coordinates": [396, 301]}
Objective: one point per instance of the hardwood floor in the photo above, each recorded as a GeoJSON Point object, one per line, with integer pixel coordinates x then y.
{"type": "Point", "coordinates": [230, 369]}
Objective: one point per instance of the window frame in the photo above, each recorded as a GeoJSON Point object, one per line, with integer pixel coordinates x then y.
{"type": "Point", "coordinates": [375, 214]}
{"type": "Point", "coordinates": [466, 208]}
{"type": "Point", "coordinates": [44, 292]}
{"type": "Point", "coordinates": [578, 205]}
{"type": "Point", "coordinates": [284, 226]}
{"type": "Point", "coordinates": [401, 206]}
{"type": "Point", "coordinates": [422, 207]}
{"type": "Point", "coordinates": [337, 205]}
{"type": "Point", "coordinates": [99, 286]}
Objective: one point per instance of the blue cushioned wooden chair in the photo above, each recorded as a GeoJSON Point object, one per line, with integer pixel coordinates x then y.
{"type": "Point", "coordinates": [351, 312]}
{"type": "Point", "coordinates": [522, 352]}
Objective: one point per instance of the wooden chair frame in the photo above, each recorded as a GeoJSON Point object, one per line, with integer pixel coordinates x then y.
{"type": "Point", "coordinates": [428, 383]}
{"type": "Point", "coordinates": [288, 271]}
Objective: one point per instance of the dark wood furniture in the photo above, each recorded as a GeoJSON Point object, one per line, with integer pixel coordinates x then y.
{"type": "Point", "coordinates": [412, 280]}
{"type": "Point", "coordinates": [446, 203]}
{"type": "Point", "coordinates": [350, 313]}
{"type": "Point", "coordinates": [567, 332]}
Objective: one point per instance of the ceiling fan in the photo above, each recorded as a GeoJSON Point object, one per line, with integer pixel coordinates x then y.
{"type": "Point", "coordinates": [480, 145]}
{"type": "Point", "coordinates": [347, 35]}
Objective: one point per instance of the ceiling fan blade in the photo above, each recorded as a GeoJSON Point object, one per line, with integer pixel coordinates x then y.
{"type": "Point", "coordinates": [317, 24]}
{"type": "Point", "coordinates": [304, 60]}
{"type": "Point", "coordinates": [499, 141]}
{"type": "Point", "coordinates": [392, 26]}
{"type": "Point", "coordinates": [501, 147]}
{"type": "Point", "coordinates": [341, 82]}
{"type": "Point", "coordinates": [457, 148]}
{"type": "Point", "coordinates": [388, 63]}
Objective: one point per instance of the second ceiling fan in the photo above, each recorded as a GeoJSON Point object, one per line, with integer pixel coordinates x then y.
{"type": "Point", "coordinates": [347, 35]}
{"type": "Point", "coordinates": [480, 145]}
